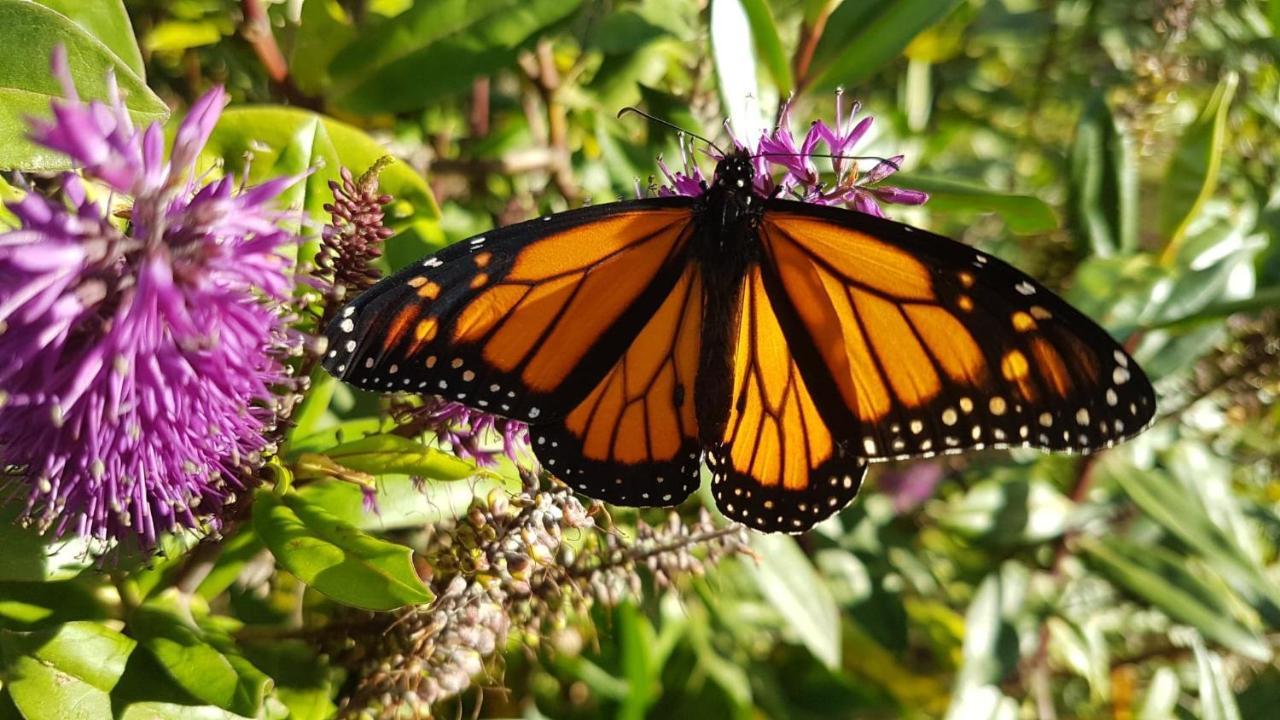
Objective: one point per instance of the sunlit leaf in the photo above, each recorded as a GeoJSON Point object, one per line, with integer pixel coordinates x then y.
{"type": "Point", "coordinates": [396, 454]}
{"type": "Point", "coordinates": [1158, 577]}
{"type": "Point", "coordinates": [787, 579]}
{"type": "Point", "coordinates": [107, 21]}
{"type": "Point", "coordinates": [1025, 215]}
{"type": "Point", "coordinates": [26, 85]}
{"type": "Point", "coordinates": [469, 38]}
{"type": "Point", "coordinates": [66, 673]}
{"type": "Point", "coordinates": [1193, 172]}
{"type": "Point", "coordinates": [1103, 182]}
{"type": "Point", "coordinates": [861, 37]}
{"type": "Point", "coordinates": [165, 626]}
{"type": "Point", "coordinates": [734, 55]}
{"type": "Point", "coordinates": [336, 558]}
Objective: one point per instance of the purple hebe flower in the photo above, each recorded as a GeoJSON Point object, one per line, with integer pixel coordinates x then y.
{"type": "Point", "coordinates": [787, 167]}
{"type": "Point", "coordinates": [140, 358]}
{"type": "Point", "coordinates": [470, 433]}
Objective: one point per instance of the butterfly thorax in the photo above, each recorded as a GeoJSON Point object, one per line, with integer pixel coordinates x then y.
{"type": "Point", "coordinates": [725, 244]}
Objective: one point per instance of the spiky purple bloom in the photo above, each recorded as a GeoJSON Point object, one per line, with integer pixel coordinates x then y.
{"type": "Point", "coordinates": [139, 356]}
{"type": "Point", "coordinates": [786, 166]}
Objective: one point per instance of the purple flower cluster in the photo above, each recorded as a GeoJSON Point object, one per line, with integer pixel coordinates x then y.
{"type": "Point", "coordinates": [470, 433]}
{"type": "Point", "coordinates": [141, 345]}
{"type": "Point", "coordinates": [786, 167]}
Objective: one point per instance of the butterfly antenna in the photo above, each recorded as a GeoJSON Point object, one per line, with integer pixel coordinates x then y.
{"type": "Point", "coordinates": [887, 161]}
{"type": "Point", "coordinates": [669, 124]}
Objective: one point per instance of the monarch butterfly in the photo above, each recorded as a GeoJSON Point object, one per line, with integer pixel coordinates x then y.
{"type": "Point", "coordinates": [786, 343]}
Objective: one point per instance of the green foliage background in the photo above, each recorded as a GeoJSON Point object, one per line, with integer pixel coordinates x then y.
{"type": "Point", "coordinates": [1124, 152]}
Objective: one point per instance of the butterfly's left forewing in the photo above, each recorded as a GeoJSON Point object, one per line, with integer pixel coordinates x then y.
{"type": "Point", "coordinates": [524, 321]}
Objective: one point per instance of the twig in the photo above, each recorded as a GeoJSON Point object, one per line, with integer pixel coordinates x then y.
{"type": "Point", "coordinates": [541, 69]}
{"type": "Point", "coordinates": [256, 30]}
{"type": "Point", "coordinates": [810, 34]}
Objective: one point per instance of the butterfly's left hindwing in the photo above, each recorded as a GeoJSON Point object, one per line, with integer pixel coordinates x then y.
{"type": "Point", "coordinates": [523, 321]}
{"type": "Point", "coordinates": [780, 466]}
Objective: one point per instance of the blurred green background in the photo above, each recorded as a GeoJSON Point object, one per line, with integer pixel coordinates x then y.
{"type": "Point", "coordinates": [1123, 152]}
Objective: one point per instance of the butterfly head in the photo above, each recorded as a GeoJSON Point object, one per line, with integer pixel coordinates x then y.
{"type": "Point", "coordinates": [735, 172]}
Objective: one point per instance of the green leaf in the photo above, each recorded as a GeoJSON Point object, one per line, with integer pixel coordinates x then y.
{"type": "Point", "coordinates": [174, 711]}
{"type": "Point", "coordinates": [764, 31]}
{"type": "Point", "coordinates": [787, 579]}
{"type": "Point", "coordinates": [323, 30]}
{"type": "Point", "coordinates": [1184, 516]}
{"type": "Point", "coordinates": [30, 556]}
{"type": "Point", "coordinates": [862, 37]}
{"type": "Point", "coordinates": [8, 194]}
{"type": "Point", "coordinates": [31, 605]}
{"type": "Point", "coordinates": [1162, 695]}
{"type": "Point", "coordinates": [1025, 214]}
{"type": "Point", "coordinates": [1160, 577]}
{"type": "Point", "coordinates": [990, 638]}
{"type": "Point", "coordinates": [177, 36]}
{"type": "Point", "coordinates": [314, 406]}
{"type": "Point", "coordinates": [399, 455]}
{"type": "Point", "coordinates": [1103, 183]}
{"type": "Point", "coordinates": [442, 45]}
{"type": "Point", "coordinates": [107, 21]}
{"type": "Point", "coordinates": [401, 502]}
{"type": "Point", "coordinates": [282, 140]}
{"type": "Point", "coordinates": [1217, 701]}
{"type": "Point", "coordinates": [1016, 510]}
{"type": "Point", "coordinates": [1264, 299]}
{"type": "Point", "coordinates": [302, 677]}
{"type": "Point", "coordinates": [27, 87]}
{"type": "Point", "coordinates": [66, 673]}
{"type": "Point", "coordinates": [165, 626]}
{"type": "Point", "coordinates": [734, 56]}
{"type": "Point", "coordinates": [1193, 172]}
{"type": "Point", "coordinates": [336, 558]}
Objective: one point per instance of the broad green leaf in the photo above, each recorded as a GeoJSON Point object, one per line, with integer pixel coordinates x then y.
{"type": "Point", "coordinates": [1159, 577]}
{"type": "Point", "coordinates": [1217, 701]}
{"type": "Point", "coordinates": [1193, 172]}
{"type": "Point", "coordinates": [1024, 214]}
{"type": "Point", "coordinates": [336, 558]}
{"type": "Point", "coordinates": [399, 455]}
{"type": "Point", "coordinates": [637, 642]}
{"type": "Point", "coordinates": [323, 30]}
{"type": "Point", "coordinates": [322, 440]}
{"type": "Point", "coordinates": [165, 626]}
{"type": "Point", "coordinates": [278, 140]}
{"type": "Point", "coordinates": [1020, 510]}
{"type": "Point", "coordinates": [623, 32]}
{"type": "Point", "coordinates": [66, 673]}
{"type": "Point", "coordinates": [107, 21]}
{"type": "Point", "coordinates": [734, 56]}
{"type": "Point", "coordinates": [443, 46]}
{"type": "Point", "coordinates": [764, 31]}
{"type": "Point", "coordinates": [990, 637]}
{"type": "Point", "coordinates": [177, 36]}
{"type": "Point", "coordinates": [787, 579]}
{"type": "Point", "coordinates": [401, 501]}
{"type": "Point", "coordinates": [302, 678]}
{"type": "Point", "coordinates": [30, 556]}
{"type": "Point", "coordinates": [174, 711]}
{"type": "Point", "coordinates": [27, 87]}
{"type": "Point", "coordinates": [32, 605]}
{"type": "Point", "coordinates": [237, 552]}
{"type": "Point", "coordinates": [862, 37]}
{"type": "Point", "coordinates": [1103, 183]}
